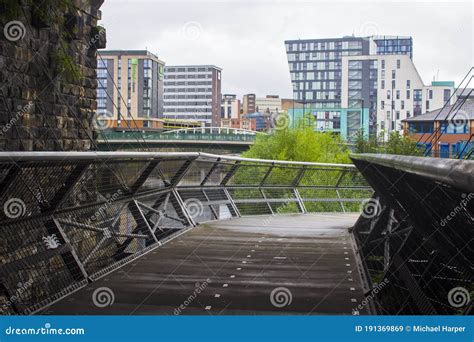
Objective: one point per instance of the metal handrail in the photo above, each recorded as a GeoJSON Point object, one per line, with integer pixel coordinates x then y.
{"type": "Point", "coordinates": [105, 209]}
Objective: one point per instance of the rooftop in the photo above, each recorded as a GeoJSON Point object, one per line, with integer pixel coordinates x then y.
{"type": "Point", "coordinates": [451, 112]}
{"type": "Point", "coordinates": [194, 66]}
{"type": "Point", "coordinates": [128, 53]}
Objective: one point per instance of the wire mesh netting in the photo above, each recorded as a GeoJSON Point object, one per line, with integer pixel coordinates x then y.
{"type": "Point", "coordinates": [70, 220]}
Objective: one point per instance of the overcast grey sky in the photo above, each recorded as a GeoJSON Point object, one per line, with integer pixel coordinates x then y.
{"type": "Point", "coordinates": [245, 38]}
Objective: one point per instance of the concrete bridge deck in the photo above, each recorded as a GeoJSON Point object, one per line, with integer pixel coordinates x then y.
{"type": "Point", "coordinates": [236, 264]}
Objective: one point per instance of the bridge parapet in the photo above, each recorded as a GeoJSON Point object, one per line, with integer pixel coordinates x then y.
{"type": "Point", "coordinates": [415, 237]}
{"type": "Point", "coordinates": [71, 218]}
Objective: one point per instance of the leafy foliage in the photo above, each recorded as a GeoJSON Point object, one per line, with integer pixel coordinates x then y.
{"type": "Point", "coordinates": [396, 144]}
{"type": "Point", "coordinates": [300, 144]}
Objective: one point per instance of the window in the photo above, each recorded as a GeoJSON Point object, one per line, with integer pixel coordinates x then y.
{"type": "Point", "coordinates": [430, 94]}
{"type": "Point", "coordinates": [397, 115]}
{"type": "Point", "coordinates": [382, 104]}
{"type": "Point", "coordinates": [382, 84]}
{"type": "Point", "coordinates": [451, 128]}
{"type": "Point", "coordinates": [402, 104]}
{"type": "Point", "coordinates": [398, 94]}
{"type": "Point", "coordinates": [382, 74]}
{"type": "Point", "coordinates": [355, 64]}
{"type": "Point", "coordinates": [388, 115]}
{"type": "Point", "coordinates": [393, 84]}
{"type": "Point", "coordinates": [427, 105]}
{"type": "Point", "coordinates": [420, 127]}
{"type": "Point", "coordinates": [446, 95]}
{"type": "Point", "coordinates": [408, 114]}
{"type": "Point", "coordinates": [398, 64]}
{"type": "Point", "coordinates": [408, 94]}
{"type": "Point", "coordinates": [383, 63]}
{"type": "Point", "coordinates": [393, 74]}
{"type": "Point", "coordinates": [408, 84]}
{"type": "Point", "coordinates": [388, 94]}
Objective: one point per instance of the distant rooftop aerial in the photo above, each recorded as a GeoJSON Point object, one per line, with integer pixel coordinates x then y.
{"type": "Point", "coordinates": [456, 112]}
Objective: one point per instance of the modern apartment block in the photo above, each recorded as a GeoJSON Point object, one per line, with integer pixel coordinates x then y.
{"type": "Point", "coordinates": [387, 88]}
{"type": "Point", "coordinates": [340, 82]}
{"type": "Point", "coordinates": [230, 107]}
{"type": "Point", "coordinates": [193, 92]}
{"type": "Point", "coordinates": [391, 45]}
{"type": "Point", "coordinates": [268, 105]}
{"type": "Point", "coordinates": [130, 87]}
{"type": "Point", "coordinates": [248, 104]}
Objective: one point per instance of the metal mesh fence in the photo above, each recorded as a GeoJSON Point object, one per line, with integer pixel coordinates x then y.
{"type": "Point", "coordinates": [70, 218]}
{"type": "Point", "coordinates": [415, 237]}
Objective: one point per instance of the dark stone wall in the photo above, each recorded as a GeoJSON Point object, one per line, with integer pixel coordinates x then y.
{"type": "Point", "coordinates": [47, 74]}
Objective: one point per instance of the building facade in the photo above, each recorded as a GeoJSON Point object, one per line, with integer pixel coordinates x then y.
{"type": "Point", "coordinates": [446, 132]}
{"type": "Point", "coordinates": [230, 107]}
{"type": "Point", "coordinates": [193, 92]}
{"type": "Point", "coordinates": [247, 124]}
{"type": "Point", "coordinates": [130, 87]}
{"type": "Point", "coordinates": [379, 91]}
{"type": "Point", "coordinates": [270, 104]}
{"type": "Point", "coordinates": [360, 83]}
{"type": "Point", "coordinates": [393, 45]}
{"type": "Point", "coordinates": [249, 104]}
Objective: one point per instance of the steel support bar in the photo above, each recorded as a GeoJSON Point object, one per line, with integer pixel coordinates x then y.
{"type": "Point", "coordinates": [300, 201]}
{"type": "Point", "coordinates": [211, 171]}
{"type": "Point", "coordinates": [266, 201]}
{"type": "Point", "coordinates": [231, 173]}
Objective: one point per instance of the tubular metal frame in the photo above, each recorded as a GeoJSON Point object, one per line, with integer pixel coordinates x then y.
{"type": "Point", "coordinates": [70, 218]}
{"type": "Point", "coordinates": [416, 235]}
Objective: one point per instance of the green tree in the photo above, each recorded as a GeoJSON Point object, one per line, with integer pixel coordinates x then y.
{"type": "Point", "coordinates": [363, 145]}
{"type": "Point", "coordinates": [396, 144]}
{"type": "Point", "coordinates": [300, 144]}
{"type": "Point", "coordinates": [403, 145]}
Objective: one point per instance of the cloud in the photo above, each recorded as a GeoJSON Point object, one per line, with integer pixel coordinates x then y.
{"type": "Point", "coordinates": [245, 38]}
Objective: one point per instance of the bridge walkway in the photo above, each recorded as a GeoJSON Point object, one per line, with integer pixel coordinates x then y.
{"type": "Point", "coordinates": [233, 266]}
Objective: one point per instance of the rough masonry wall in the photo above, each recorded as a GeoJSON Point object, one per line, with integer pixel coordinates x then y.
{"type": "Point", "coordinates": [47, 74]}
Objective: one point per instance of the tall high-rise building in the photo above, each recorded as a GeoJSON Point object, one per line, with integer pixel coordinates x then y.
{"type": "Point", "coordinates": [130, 86]}
{"type": "Point", "coordinates": [331, 90]}
{"type": "Point", "coordinates": [193, 92]}
{"type": "Point", "coordinates": [389, 88]}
